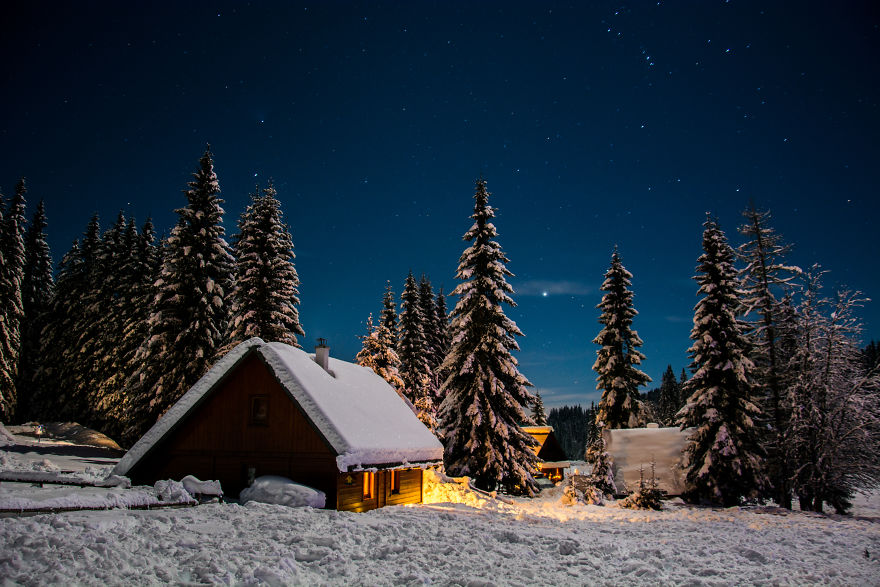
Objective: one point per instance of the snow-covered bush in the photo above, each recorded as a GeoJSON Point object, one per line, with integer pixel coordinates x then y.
{"type": "Point", "coordinates": [171, 491]}
{"type": "Point", "coordinates": [282, 491]}
{"type": "Point", "coordinates": [647, 495]}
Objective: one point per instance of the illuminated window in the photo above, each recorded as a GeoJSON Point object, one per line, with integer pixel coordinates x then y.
{"type": "Point", "coordinates": [395, 481]}
{"type": "Point", "coordinates": [369, 483]}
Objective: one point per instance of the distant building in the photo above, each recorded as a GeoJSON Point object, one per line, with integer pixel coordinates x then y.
{"type": "Point", "coordinates": [638, 447]}
{"type": "Point", "coordinates": [272, 409]}
{"type": "Point", "coordinates": [551, 458]}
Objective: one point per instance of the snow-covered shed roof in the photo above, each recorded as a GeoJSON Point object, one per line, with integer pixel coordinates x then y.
{"type": "Point", "coordinates": [360, 415]}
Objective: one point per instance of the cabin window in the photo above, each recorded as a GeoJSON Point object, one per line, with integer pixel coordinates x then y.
{"type": "Point", "coordinates": [369, 483]}
{"type": "Point", "coordinates": [259, 410]}
{"type": "Point", "coordinates": [395, 481]}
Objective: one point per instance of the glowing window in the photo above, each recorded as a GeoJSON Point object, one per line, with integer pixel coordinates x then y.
{"type": "Point", "coordinates": [369, 483]}
{"type": "Point", "coordinates": [395, 481]}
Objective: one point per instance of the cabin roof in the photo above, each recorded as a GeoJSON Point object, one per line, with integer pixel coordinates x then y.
{"type": "Point", "coordinates": [548, 449]}
{"type": "Point", "coordinates": [361, 416]}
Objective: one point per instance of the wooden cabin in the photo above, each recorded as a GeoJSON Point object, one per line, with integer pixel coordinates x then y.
{"type": "Point", "coordinates": [552, 461]}
{"type": "Point", "coordinates": [272, 409]}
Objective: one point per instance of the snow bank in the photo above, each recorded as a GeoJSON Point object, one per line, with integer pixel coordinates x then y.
{"type": "Point", "coordinates": [6, 438]}
{"type": "Point", "coordinates": [282, 491]}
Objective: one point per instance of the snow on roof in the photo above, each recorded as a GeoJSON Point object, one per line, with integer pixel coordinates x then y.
{"type": "Point", "coordinates": [359, 413]}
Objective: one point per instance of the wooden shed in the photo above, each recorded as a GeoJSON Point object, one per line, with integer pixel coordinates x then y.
{"type": "Point", "coordinates": [552, 461]}
{"type": "Point", "coordinates": [272, 409]}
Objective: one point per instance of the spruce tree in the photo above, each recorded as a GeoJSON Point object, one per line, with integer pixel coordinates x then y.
{"type": "Point", "coordinates": [485, 393]}
{"type": "Point", "coordinates": [725, 460]}
{"type": "Point", "coordinates": [58, 387]}
{"type": "Point", "coordinates": [378, 355]}
{"type": "Point", "coordinates": [616, 361]}
{"type": "Point", "coordinates": [190, 312]}
{"type": "Point", "coordinates": [12, 231]}
{"type": "Point", "coordinates": [141, 273]}
{"type": "Point", "coordinates": [442, 322]}
{"type": "Point", "coordinates": [37, 288]}
{"type": "Point", "coordinates": [765, 274]}
{"type": "Point", "coordinates": [266, 290]}
{"type": "Point", "coordinates": [669, 397]}
{"type": "Point", "coordinates": [389, 314]}
{"type": "Point", "coordinates": [413, 350]}
{"type": "Point", "coordinates": [538, 414]}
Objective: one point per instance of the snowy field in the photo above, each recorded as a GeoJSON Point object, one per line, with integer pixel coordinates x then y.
{"type": "Point", "coordinates": [459, 538]}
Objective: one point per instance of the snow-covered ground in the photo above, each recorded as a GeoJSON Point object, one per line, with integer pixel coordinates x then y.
{"type": "Point", "coordinates": [459, 538]}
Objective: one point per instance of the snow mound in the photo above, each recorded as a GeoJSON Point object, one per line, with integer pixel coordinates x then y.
{"type": "Point", "coordinates": [6, 438]}
{"type": "Point", "coordinates": [171, 491]}
{"type": "Point", "coordinates": [282, 491]}
{"type": "Point", "coordinates": [195, 486]}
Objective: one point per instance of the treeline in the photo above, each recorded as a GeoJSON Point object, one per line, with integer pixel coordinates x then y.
{"type": "Point", "coordinates": [781, 400]}
{"type": "Point", "coordinates": [131, 322]}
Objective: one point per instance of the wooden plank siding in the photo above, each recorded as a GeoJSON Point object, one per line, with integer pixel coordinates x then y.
{"type": "Point", "coordinates": [349, 496]}
{"type": "Point", "coordinates": [220, 441]}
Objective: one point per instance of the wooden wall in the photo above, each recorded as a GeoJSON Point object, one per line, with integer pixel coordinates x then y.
{"type": "Point", "coordinates": [221, 441]}
{"type": "Point", "coordinates": [350, 495]}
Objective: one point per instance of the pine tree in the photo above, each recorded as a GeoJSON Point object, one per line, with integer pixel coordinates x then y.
{"type": "Point", "coordinates": [538, 414]}
{"type": "Point", "coordinates": [724, 456]}
{"type": "Point", "coordinates": [433, 329]}
{"type": "Point", "coordinates": [378, 355]}
{"type": "Point", "coordinates": [389, 315]}
{"type": "Point", "coordinates": [58, 387]}
{"type": "Point", "coordinates": [669, 397]}
{"type": "Point", "coordinates": [37, 288]}
{"type": "Point", "coordinates": [141, 273]}
{"type": "Point", "coordinates": [618, 377]}
{"type": "Point", "coordinates": [442, 321]}
{"type": "Point", "coordinates": [602, 471]}
{"type": "Point", "coordinates": [190, 312]}
{"type": "Point", "coordinates": [265, 295]}
{"type": "Point", "coordinates": [765, 273]}
{"type": "Point", "coordinates": [12, 231]}
{"type": "Point", "coordinates": [413, 350]}
{"type": "Point", "coordinates": [485, 393]}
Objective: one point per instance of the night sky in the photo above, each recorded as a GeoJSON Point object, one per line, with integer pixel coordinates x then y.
{"type": "Point", "coordinates": [595, 124]}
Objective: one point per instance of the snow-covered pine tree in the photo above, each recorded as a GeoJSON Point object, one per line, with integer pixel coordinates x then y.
{"type": "Point", "coordinates": [616, 361]}
{"type": "Point", "coordinates": [190, 312]}
{"type": "Point", "coordinates": [12, 231]}
{"type": "Point", "coordinates": [669, 397]}
{"type": "Point", "coordinates": [442, 320]}
{"type": "Point", "coordinates": [141, 273]}
{"type": "Point", "coordinates": [388, 317]}
{"type": "Point", "coordinates": [413, 350]}
{"type": "Point", "coordinates": [538, 414]}
{"type": "Point", "coordinates": [57, 388]}
{"type": "Point", "coordinates": [433, 329]}
{"type": "Point", "coordinates": [763, 277]}
{"type": "Point", "coordinates": [265, 295]}
{"type": "Point", "coordinates": [602, 472]}
{"type": "Point", "coordinates": [485, 393]}
{"type": "Point", "coordinates": [37, 287]}
{"type": "Point", "coordinates": [378, 355]}
{"type": "Point", "coordinates": [725, 460]}
{"type": "Point", "coordinates": [100, 326]}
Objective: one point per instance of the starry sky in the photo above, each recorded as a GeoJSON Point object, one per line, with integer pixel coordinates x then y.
{"type": "Point", "coordinates": [595, 124]}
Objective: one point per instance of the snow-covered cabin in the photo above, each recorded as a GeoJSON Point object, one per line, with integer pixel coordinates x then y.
{"type": "Point", "coordinates": [635, 448]}
{"type": "Point", "coordinates": [552, 461]}
{"type": "Point", "coordinates": [272, 409]}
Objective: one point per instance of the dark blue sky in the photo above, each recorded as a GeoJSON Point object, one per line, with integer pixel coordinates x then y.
{"type": "Point", "coordinates": [595, 124]}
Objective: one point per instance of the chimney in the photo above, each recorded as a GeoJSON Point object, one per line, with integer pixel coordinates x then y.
{"type": "Point", "coordinates": [322, 354]}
